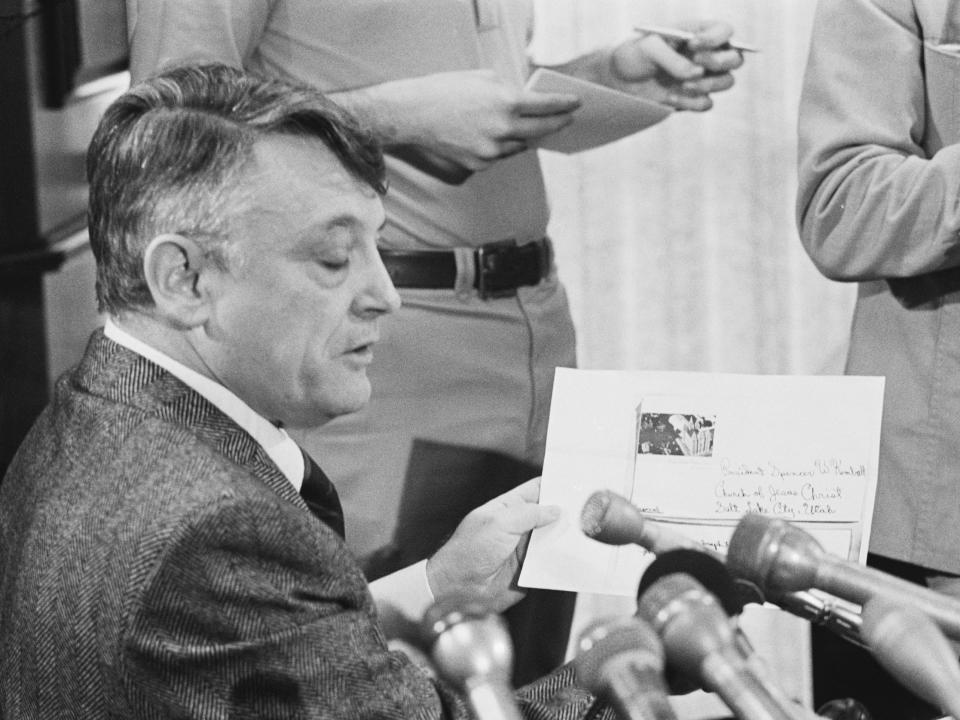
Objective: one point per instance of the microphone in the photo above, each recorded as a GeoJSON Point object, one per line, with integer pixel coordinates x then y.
{"type": "Point", "coordinates": [611, 519]}
{"type": "Point", "coordinates": [405, 635]}
{"type": "Point", "coordinates": [844, 709]}
{"type": "Point", "coordinates": [914, 650]}
{"type": "Point", "coordinates": [703, 567]}
{"type": "Point", "coordinates": [699, 640]}
{"type": "Point", "coordinates": [614, 520]}
{"type": "Point", "coordinates": [471, 649]}
{"type": "Point", "coordinates": [716, 579]}
{"type": "Point", "coordinates": [620, 660]}
{"type": "Point", "coordinates": [822, 610]}
{"type": "Point", "coordinates": [779, 557]}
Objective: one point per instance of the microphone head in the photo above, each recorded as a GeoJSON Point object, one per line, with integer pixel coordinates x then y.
{"type": "Point", "coordinates": [593, 517]}
{"type": "Point", "coordinates": [467, 640]}
{"type": "Point", "coordinates": [612, 519]}
{"type": "Point", "coordinates": [689, 620]}
{"type": "Point", "coordinates": [774, 555]}
{"type": "Point", "coordinates": [914, 650]}
{"type": "Point", "coordinates": [706, 569]}
{"type": "Point", "coordinates": [620, 660]}
{"type": "Point", "coordinates": [610, 638]}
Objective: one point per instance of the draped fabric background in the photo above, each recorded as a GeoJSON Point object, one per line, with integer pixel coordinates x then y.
{"type": "Point", "coordinates": [678, 246]}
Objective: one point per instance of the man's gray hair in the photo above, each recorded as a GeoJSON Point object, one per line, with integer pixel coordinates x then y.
{"type": "Point", "coordinates": [167, 155]}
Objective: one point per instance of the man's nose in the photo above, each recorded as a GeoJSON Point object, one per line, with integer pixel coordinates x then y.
{"type": "Point", "coordinates": [379, 296]}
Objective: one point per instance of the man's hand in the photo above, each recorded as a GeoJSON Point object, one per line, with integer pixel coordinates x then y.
{"type": "Point", "coordinates": [681, 74]}
{"type": "Point", "coordinates": [483, 555]}
{"type": "Point", "coordinates": [470, 118]}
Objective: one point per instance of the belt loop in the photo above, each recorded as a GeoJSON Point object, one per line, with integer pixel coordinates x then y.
{"type": "Point", "coordinates": [466, 273]}
{"type": "Point", "coordinates": [548, 257]}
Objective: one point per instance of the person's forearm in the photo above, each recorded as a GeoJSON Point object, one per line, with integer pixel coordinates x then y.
{"type": "Point", "coordinates": [392, 111]}
{"type": "Point", "coordinates": [594, 66]}
{"type": "Point", "coordinates": [871, 204]}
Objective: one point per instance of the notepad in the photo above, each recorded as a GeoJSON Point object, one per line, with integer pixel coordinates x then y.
{"type": "Point", "coordinates": [604, 114]}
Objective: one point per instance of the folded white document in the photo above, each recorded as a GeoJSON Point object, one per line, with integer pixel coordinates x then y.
{"type": "Point", "coordinates": [604, 114]}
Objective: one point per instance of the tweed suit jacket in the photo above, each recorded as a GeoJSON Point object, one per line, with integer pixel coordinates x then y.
{"type": "Point", "coordinates": [156, 564]}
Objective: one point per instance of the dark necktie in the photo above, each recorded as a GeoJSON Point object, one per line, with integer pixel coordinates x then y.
{"type": "Point", "coordinates": [320, 495]}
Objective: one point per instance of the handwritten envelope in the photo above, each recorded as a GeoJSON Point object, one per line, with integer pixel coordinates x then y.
{"type": "Point", "coordinates": [697, 451]}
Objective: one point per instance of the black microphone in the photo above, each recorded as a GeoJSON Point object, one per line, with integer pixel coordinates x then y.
{"type": "Point", "coordinates": [705, 568]}
{"type": "Point", "coordinates": [620, 660]}
{"type": "Point", "coordinates": [914, 650]}
{"type": "Point", "coordinates": [709, 572]}
{"type": "Point", "coordinates": [716, 579]}
{"type": "Point", "coordinates": [699, 640]}
{"type": "Point", "coordinates": [844, 709]}
{"type": "Point", "coordinates": [471, 649]}
{"type": "Point", "coordinates": [779, 557]}
{"type": "Point", "coordinates": [611, 519]}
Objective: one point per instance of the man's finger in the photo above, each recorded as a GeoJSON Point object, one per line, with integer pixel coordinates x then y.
{"type": "Point", "coordinates": [519, 519]}
{"type": "Point", "coordinates": [718, 61]}
{"type": "Point", "coordinates": [709, 34]}
{"type": "Point", "coordinates": [527, 492]}
{"type": "Point", "coordinates": [533, 128]}
{"type": "Point", "coordinates": [537, 104]}
{"type": "Point", "coordinates": [635, 60]}
{"type": "Point", "coordinates": [698, 103]}
{"type": "Point", "coordinates": [708, 84]}
{"type": "Point", "coordinates": [509, 148]}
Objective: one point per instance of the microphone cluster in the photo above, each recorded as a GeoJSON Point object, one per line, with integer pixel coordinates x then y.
{"type": "Point", "coordinates": [906, 627]}
{"type": "Point", "coordinates": [685, 633]}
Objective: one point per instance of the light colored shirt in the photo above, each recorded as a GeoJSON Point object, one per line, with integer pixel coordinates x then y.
{"type": "Point", "coordinates": [879, 179]}
{"type": "Point", "coordinates": [341, 46]}
{"type": "Point", "coordinates": [406, 590]}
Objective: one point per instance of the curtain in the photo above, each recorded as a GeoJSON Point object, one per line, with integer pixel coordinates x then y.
{"type": "Point", "coordinates": [678, 246]}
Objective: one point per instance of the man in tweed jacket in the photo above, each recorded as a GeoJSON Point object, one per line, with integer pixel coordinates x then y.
{"type": "Point", "coordinates": [156, 557]}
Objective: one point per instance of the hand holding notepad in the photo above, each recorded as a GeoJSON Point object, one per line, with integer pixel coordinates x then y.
{"type": "Point", "coordinates": [604, 114]}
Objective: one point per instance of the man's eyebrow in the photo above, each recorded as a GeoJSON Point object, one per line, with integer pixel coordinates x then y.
{"type": "Point", "coordinates": [311, 231]}
{"type": "Point", "coordinates": [347, 221]}
{"type": "Point", "coordinates": [341, 221]}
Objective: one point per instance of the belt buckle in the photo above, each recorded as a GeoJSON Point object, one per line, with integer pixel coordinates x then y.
{"type": "Point", "coordinates": [490, 259]}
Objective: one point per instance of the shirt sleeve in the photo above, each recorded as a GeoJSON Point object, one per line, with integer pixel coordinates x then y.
{"type": "Point", "coordinates": [871, 203]}
{"type": "Point", "coordinates": [163, 33]}
{"type": "Point", "coordinates": [405, 591]}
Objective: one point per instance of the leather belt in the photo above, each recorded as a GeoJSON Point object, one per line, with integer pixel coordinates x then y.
{"type": "Point", "coordinates": [499, 267]}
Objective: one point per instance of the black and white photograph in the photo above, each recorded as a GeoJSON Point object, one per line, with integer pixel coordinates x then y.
{"type": "Point", "coordinates": [285, 290]}
{"type": "Point", "coordinates": [685, 434]}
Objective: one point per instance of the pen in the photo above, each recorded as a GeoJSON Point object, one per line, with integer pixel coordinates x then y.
{"type": "Point", "coordinates": [686, 35]}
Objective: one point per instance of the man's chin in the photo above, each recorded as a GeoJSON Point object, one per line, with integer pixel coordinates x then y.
{"type": "Point", "coordinates": [330, 408]}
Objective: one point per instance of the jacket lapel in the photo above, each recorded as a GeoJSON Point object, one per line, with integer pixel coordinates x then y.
{"type": "Point", "coordinates": [111, 370]}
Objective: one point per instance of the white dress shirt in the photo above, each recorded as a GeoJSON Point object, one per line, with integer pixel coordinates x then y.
{"type": "Point", "coordinates": [406, 590]}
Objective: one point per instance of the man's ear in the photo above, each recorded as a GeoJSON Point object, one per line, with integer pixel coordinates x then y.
{"type": "Point", "coordinates": [172, 265]}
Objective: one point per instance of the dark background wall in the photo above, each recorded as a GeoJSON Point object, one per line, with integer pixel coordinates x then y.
{"type": "Point", "coordinates": [61, 63]}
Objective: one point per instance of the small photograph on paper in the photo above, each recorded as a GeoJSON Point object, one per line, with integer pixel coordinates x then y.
{"type": "Point", "coordinates": [682, 434]}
